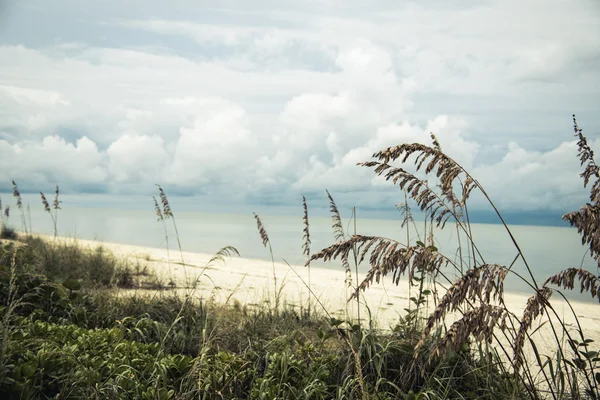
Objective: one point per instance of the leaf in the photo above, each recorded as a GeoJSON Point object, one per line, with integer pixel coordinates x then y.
{"type": "Point", "coordinates": [420, 244]}
{"type": "Point", "coordinates": [334, 322]}
{"type": "Point", "coordinates": [28, 369]}
{"type": "Point", "coordinates": [72, 284]}
{"type": "Point", "coordinates": [589, 354]}
{"type": "Point", "coordinates": [579, 363]}
{"type": "Point", "coordinates": [574, 344]}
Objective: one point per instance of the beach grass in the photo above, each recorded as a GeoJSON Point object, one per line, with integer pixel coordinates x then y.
{"type": "Point", "coordinates": [111, 321]}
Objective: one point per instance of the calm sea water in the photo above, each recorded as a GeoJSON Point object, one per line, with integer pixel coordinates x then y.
{"type": "Point", "coordinates": [547, 249]}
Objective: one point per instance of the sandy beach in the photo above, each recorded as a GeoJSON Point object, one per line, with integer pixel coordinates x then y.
{"type": "Point", "coordinates": [250, 282]}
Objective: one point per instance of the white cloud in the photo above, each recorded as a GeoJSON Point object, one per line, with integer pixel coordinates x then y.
{"type": "Point", "coordinates": [137, 158]}
{"type": "Point", "coordinates": [52, 160]}
{"type": "Point", "coordinates": [286, 99]}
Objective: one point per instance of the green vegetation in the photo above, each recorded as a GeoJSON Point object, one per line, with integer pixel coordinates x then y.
{"type": "Point", "coordinates": [79, 323]}
{"type": "Point", "coordinates": [74, 339]}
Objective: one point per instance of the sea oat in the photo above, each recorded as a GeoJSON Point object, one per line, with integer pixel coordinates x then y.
{"type": "Point", "coordinates": [436, 144]}
{"type": "Point", "coordinates": [167, 212]}
{"type": "Point", "coordinates": [566, 279]}
{"type": "Point", "coordinates": [427, 200]}
{"type": "Point", "coordinates": [477, 284]}
{"type": "Point", "coordinates": [386, 257]}
{"type": "Point", "coordinates": [17, 195]}
{"type": "Point", "coordinates": [221, 255]}
{"type": "Point", "coordinates": [56, 203]}
{"type": "Point", "coordinates": [338, 232]}
{"type": "Point", "coordinates": [267, 242]}
{"type": "Point", "coordinates": [45, 203]}
{"type": "Point", "coordinates": [587, 219]}
{"type": "Point", "coordinates": [261, 230]}
{"type": "Point", "coordinates": [338, 229]}
{"type": "Point", "coordinates": [157, 210]}
{"type": "Point", "coordinates": [536, 305]}
{"type": "Point", "coordinates": [479, 322]}
{"type": "Point", "coordinates": [306, 237]}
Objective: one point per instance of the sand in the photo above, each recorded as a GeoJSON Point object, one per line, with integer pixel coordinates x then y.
{"type": "Point", "coordinates": [250, 282]}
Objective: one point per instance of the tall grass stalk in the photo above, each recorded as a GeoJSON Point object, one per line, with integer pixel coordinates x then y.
{"type": "Point", "coordinates": [17, 196]}
{"type": "Point", "coordinates": [355, 257]}
{"type": "Point", "coordinates": [306, 247]}
{"type": "Point", "coordinates": [49, 211]}
{"type": "Point", "coordinates": [29, 218]}
{"type": "Point", "coordinates": [264, 236]}
{"type": "Point", "coordinates": [56, 207]}
{"type": "Point", "coordinates": [167, 213]}
{"type": "Point", "coordinates": [477, 294]}
{"type": "Point", "coordinates": [161, 219]}
{"type": "Point", "coordinates": [340, 236]}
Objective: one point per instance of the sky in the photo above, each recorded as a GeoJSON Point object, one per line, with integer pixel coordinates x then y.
{"type": "Point", "coordinates": [258, 103]}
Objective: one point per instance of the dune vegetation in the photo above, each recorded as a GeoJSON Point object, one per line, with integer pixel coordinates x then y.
{"type": "Point", "coordinates": [79, 323]}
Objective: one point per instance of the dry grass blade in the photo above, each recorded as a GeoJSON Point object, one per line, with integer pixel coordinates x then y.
{"type": "Point", "coordinates": [477, 284]}
{"type": "Point", "coordinates": [45, 203]}
{"type": "Point", "coordinates": [157, 210]}
{"type": "Point", "coordinates": [479, 322]}
{"type": "Point", "coordinates": [566, 279]}
{"type": "Point", "coordinates": [306, 237]}
{"type": "Point", "coordinates": [221, 255]}
{"type": "Point", "coordinates": [535, 307]}
{"type": "Point", "coordinates": [261, 230]}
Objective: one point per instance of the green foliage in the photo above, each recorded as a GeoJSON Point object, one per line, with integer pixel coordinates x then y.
{"type": "Point", "coordinates": [71, 342]}
{"type": "Point", "coordinates": [8, 233]}
{"type": "Point", "coordinates": [62, 261]}
{"type": "Point", "coordinates": [49, 359]}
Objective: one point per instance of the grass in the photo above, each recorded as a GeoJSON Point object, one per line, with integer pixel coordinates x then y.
{"type": "Point", "coordinates": [87, 342]}
{"type": "Point", "coordinates": [81, 322]}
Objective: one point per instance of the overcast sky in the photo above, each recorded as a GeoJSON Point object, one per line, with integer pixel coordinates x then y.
{"type": "Point", "coordinates": [258, 102]}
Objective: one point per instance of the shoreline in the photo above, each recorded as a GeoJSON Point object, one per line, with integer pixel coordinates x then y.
{"type": "Point", "coordinates": [259, 273]}
{"type": "Point", "coordinates": [249, 283]}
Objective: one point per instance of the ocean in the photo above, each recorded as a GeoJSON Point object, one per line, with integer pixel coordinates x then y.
{"type": "Point", "coordinates": [548, 249]}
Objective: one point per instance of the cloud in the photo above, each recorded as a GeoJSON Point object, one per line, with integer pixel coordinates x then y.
{"type": "Point", "coordinates": [266, 102]}
{"type": "Point", "coordinates": [52, 160]}
{"type": "Point", "coordinates": [136, 159]}
{"type": "Point", "coordinates": [533, 180]}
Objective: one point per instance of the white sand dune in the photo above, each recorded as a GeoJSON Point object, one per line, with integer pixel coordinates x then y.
{"type": "Point", "coordinates": [250, 281]}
